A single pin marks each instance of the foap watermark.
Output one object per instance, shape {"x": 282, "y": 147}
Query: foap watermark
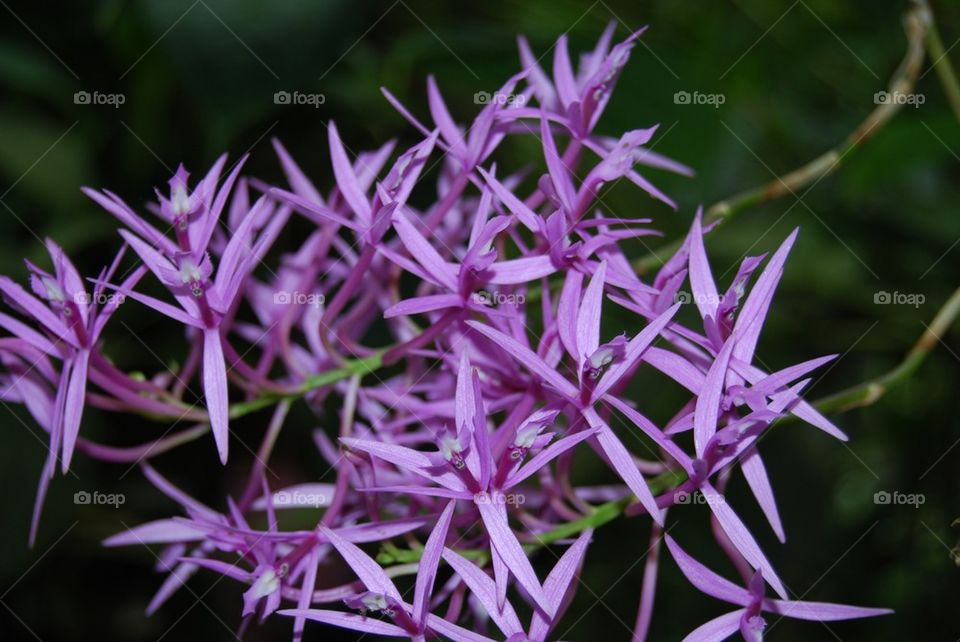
{"x": 509, "y": 499}
{"x": 486, "y": 98}
{"x": 896, "y": 498}
{"x": 299, "y": 498}
{"x": 96, "y": 498}
{"x": 698, "y": 498}
{"x": 898, "y": 98}
{"x": 99, "y": 298}
{"x": 298, "y": 98}
{"x": 698, "y": 98}
{"x": 690, "y": 297}
{"x": 285, "y": 297}
{"x": 483, "y": 297}
{"x": 899, "y": 298}
{"x": 98, "y": 98}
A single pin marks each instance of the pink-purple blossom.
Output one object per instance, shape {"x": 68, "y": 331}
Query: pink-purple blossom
{"x": 451, "y": 446}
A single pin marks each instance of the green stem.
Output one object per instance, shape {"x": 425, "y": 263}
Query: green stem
{"x": 916, "y": 24}
{"x": 943, "y": 66}
{"x": 360, "y": 367}
{"x": 871, "y": 391}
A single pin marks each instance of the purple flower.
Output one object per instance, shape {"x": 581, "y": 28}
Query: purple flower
{"x": 456, "y": 355}
{"x": 749, "y": 618}
{"x": 186, "y": 270}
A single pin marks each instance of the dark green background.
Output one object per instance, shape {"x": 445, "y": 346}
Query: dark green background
{"x": 199, "y": 79}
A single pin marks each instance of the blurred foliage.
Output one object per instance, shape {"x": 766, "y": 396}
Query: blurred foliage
{"x": 199, "y": 78}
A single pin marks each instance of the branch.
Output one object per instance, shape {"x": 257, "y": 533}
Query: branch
{"x": 916, "y": 24}
{"x": 870, "y": 391}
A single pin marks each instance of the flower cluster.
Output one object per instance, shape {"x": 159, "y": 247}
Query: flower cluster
{"x": 454, "y": 352}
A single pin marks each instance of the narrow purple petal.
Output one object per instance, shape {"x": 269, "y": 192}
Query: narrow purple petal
{"x": 367, "y": 570}
{"x": 560, "y": 583}
{"x": 73, "y": 406}
{"x": 546, "y": 455}
{"x": 493, "y": 511}
{"x": 484, "y": 589}
{"x": 563, "y": 73}
{"x": 588, "y": 319}
{"x": 161, "y": 531}
{"x": 701, "y": 280}
{"x": 741, "y": 538}
{"x": 346, "y": 179}
{"x": 523, "y": 270}
{"x": 756, "y": 475}
{"x": 350, "y": 621}
{"x": 634, "y": 352}
{"x": 706, "y": 580}
{"x": 567, "y": 309}
{"x": 441, "y": 116}
{"x": 708, "y": 403}
{"x": 622, "y": 462}
{"x": 528, "y": 358}
{"x": 523, "y": 213}
{"x": 424, "y": 253}
{"x": 750, "y": 319}
{"x": 821, "y": 611}
{"x": 717, "y": 629}
{"x": 429, "y": 562}
{"x": 215, "y": 390}
{"x": 422, "y": 304}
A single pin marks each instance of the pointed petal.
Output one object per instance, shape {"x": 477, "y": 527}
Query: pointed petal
{"x": 162, "y": 307}
{"x": 622, "y": 462}
{"x": 708, "y": 403}
{"x": 559, "y": 174}
{"x": 32, "y": 306}
{"x": 429, "y": 562}
{"x": 161, "y": 531}
{"x": 494, "y": 515}
{"x": 441, "y": 116}
{"x": 484, "y": 589}
{"x": 422, "y": 304}
{"x": 717, "y": 629}
{"x": 423, "y": 252}
{"x": 821, "y": 611}
{"x": 740, "y": 537}
{"x": 546, "y": 455}
{"x": 367, "y": 570}
{"x": 754, "y": 311}
{"x": 634, "y": 351}
{"x": 73, "y": 407}
{"x": 706, "y": 580}
{"x": 528, "y": 358}
{"x": 756, "y": 475}
{"x": 523, "y": 213}
{"x": 346, "y": 179}
{"x": 701, "y": 280}
{"x": 588, "y": 320}
{"x": 522, "y": 270}
{"x": 567, "y": 308}
{"x": 350, "y": 621}
{"x": 306, "y": 594}
{"x": 560, "y": 583}
{"x": 215, "y": 390}
{"x": 563, "y": 73}
{"x": 302, "y": 186}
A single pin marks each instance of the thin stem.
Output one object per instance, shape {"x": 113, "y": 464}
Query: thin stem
{"x": 350, "y": 368}
{"x": 942, "y": 65}
{"x": 871, "y": 391}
